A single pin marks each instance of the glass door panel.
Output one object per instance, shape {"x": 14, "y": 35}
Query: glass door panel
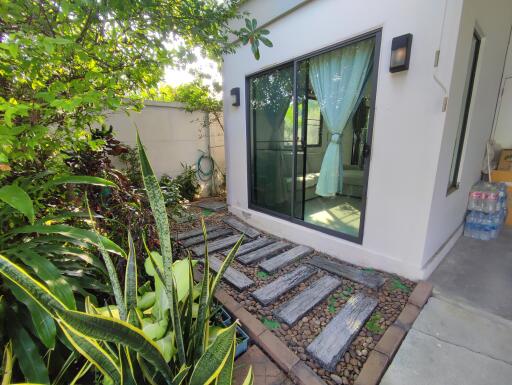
{"x": 310, "y": 132}
{"x": 336, "y": 98}
{"x": 271, "y": 130}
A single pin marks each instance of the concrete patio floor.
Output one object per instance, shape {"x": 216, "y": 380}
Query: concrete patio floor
{"x": 479, "y": 274}
{"x": 463, "y": 336}
{"x": 453, "y": 345}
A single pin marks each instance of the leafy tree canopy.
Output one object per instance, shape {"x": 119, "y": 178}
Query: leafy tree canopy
{"x": 196, "y": 96}
{"x": 64, "y": 62}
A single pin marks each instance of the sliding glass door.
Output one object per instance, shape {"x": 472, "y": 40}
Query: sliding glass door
{"x": 309, "y": 127}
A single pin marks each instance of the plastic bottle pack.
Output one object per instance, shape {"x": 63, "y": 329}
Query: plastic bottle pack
{"x": 487, "y": 210}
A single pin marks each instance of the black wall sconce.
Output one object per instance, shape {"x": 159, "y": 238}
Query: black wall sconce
{"x": 235, "y": 95}
{"x": 400, "y": 53}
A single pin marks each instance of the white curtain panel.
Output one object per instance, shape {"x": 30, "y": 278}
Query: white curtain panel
{"x": 337, "y": 78}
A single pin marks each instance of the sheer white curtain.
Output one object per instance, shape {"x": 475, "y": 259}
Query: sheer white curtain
{"x": 274, "y": 94}
{"x": 337, "y": 78}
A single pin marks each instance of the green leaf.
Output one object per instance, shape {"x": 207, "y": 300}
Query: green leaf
{"x": 226, "y": 374}
{"x": 36, "y": 290}
{"x": 29, "y": 358}
{"x": 81, "y": 179}
{"x": 167, "y": 346}
{"x": 249, "y": 379}
{"x": 270, "y": 324}
{"x": 266, "y": 41}
{"x": 44, "y": 325}
{"x": 159, "y": 211}
{"x": 116, "y": 331}
{"x": 213, "y": 360}
{"x": 130, "y": 280}
{"x": 178, "y": 379}
{"x": 76, "y": 233}
{"x": 18, "y": 199}
{"x": 50, "y": 274}
{"x": 248, "y": 24}
{"x": 225, "y": 264}
{"x": 94, "y": 353}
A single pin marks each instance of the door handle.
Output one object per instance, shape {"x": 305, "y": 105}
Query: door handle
{"x": 366, "y": 151}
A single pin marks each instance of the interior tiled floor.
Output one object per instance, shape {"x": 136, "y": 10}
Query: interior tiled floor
{"x": 340, "y": 213}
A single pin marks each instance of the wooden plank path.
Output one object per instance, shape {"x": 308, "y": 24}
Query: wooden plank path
{"x": 298, "y": 306}
{"x": 210, "y": 205}
{"x": 210, "y": 236}
{"x": 233, "y": 276}
{"x": 273, "y": 264}
{"x": 251, "y": 246}
{"x": 219, "y": 244}
{"x": 332, "y": 343}
{"x": 242, "y": 227}
{"x": 264, "y": 252}
{"x": 271, "y": 292}
{"x": 370, "y": 279}
{"x": 195, "y": 232}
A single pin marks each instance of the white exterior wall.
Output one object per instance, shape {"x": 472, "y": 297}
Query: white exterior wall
{"x": 502, "y": 129}
{"x": 170, "y": 134}
{"x": 409, "y": 219}
{"x": 408, "y": 108}
{"x": 492, "y": 19}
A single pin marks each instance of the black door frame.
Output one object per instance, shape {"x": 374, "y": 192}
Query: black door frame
{"x": 377, "y": 34}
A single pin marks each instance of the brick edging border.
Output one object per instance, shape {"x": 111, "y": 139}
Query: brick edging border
{"x": 380, "y": 358}
{"x": 287, "y": 360}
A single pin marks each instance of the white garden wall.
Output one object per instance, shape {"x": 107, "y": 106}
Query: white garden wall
{"x": 171, "y": 135}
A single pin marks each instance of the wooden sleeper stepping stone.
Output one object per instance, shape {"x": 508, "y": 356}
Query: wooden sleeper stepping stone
{"x": 195, "y": 232}
{"x": 264, "y": 252}
{"x": 209, "y": 236}
{"x": 332, "y": 343}
{"x": 298, "y": 306}
{"x": 211, "y": 205}
{"x": 242, "y": 227}
{"x": 271, "y": 292}
{"x": 233, "y": 276}
{"x": 251, "y": 246}
{"x": 370, "y": 279}
{"x": 217, "y": 245}
{"x": 289, "y": 256}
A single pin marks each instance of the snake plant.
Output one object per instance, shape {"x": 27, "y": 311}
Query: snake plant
{"x": 159, "y": 333}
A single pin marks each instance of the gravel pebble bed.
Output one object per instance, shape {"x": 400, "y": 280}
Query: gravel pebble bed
{"x": 392, "y": 298}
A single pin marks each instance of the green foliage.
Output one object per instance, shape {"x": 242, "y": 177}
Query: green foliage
{"x": 35, "y": 238}
{"x": 63, "y": 64}
{"x": 255, "y": 35}
{"x": 196, "y": 96}
{"x": 262, "y": 274}
{"x": 187, "y": 182}
{"x": 165, "y": 340}
{"x": 270, "y": 324}
{"x": 397, "y": 285}
{"x": 374, "y": 323}
{"x": 171, "y": 191}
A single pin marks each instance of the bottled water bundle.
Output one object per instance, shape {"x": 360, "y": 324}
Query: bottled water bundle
{"x": 487, "y": 210}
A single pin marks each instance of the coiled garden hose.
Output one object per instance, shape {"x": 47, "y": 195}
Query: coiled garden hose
{"x": 203, "y": 175}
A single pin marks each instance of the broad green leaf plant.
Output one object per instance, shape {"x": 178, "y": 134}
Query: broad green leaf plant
{"x": 156, "y": 333}
{"x": 64, "y": 64}
{"x": 36, "y": 239}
